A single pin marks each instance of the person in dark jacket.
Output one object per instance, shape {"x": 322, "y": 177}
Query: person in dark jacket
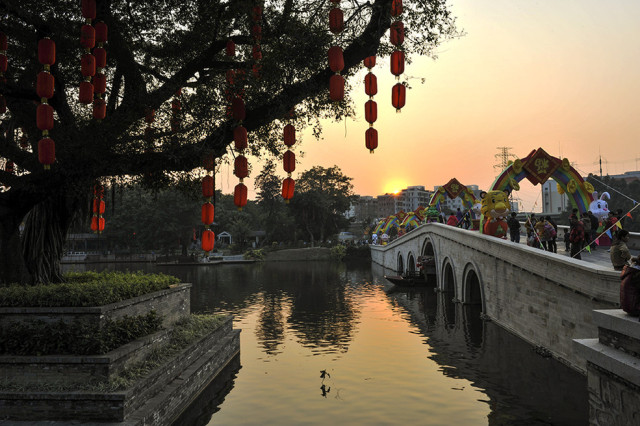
{"x": 514, "y": 228}
{"x": 576, "y": 237}
{"x": 551, "y": 242}
{"x": 594, "y": 229}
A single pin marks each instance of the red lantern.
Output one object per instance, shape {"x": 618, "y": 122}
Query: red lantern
{"x": 207, "y": 213}
{"x": 101, "y": 56}
{"x": 87, "y": 36}
{"x": 397, "y": 33}
{"x": 396, "y": 8}
{"x": 371, "y": 139}
{"x": 44, "y": 85}
{"x": 208, "y": 162}
{"x": 238, "y": 109}
{"x": 289, "y": 135}
{"x": 255, "y": 69}
{"x": 241, "y": 167}
{"x": 99, "y": 109}
{"x": 46, "y": 152}
{"x": 289, "y": 161}
{"x": 100, "y": 83}
{"x": 207, "y": 187}
{"x": 98, "y": 191}
{"x": 397, "y": 62}
{"x": 231, "y": 48}
{"x": 288, "y": 186}
{"x": 240, "y": 196}
{"x": 4, "y": 45}
{"x": 336, "y": 20}
{"x": 8, "y": 166}
{"x": 176, "y": 105}
{"x": 46, "y": 51}
{"x": 256, "y": 32}
{"x": 371, "y": 111}
{"x": 257, "y": 13}
{"x": 208, "y": 240}
{"x": 150, "y": 115}
{"x": 231, "y": 75}
{"x": 88, "y": 65}
{"x": 336, "y": 88}
{"x": 370, "y": 84}
{"x": 398, "y": 94}
{"x": 336, "y": 59}
{"x": 101, "y": 32}
{"x": 99, "y": 206}
{"x": 4, "y": 62}
{"x": 240, "y": 138}
{"x": 257, "y": 53}
{"x": 370, "y": 61}
{"x": 44, "y": 117}
{"x": 86, "y": 92}
{"x": 97, "y": 224}
{"x": 89, "y": 9}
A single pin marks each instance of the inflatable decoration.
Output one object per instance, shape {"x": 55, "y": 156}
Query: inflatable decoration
{"x": 599, "y": 207}
{"x": 495, "y": 209}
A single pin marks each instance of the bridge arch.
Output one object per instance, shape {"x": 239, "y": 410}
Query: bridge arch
{"x": 400, "y": 264}
{"x": 411, "y": 262}
{"x": 472, "y": 287}
{"x": 448, "y": 279}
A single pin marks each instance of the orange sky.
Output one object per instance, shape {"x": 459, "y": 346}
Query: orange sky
{"x": 564, "y": 76}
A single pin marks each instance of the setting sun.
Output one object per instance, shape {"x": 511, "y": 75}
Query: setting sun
{"x": 394, "y": 186}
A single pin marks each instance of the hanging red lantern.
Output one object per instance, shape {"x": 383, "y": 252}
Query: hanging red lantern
{"x": 289, "y": 135}
{"x": 87, "y": 36}
{"x": 8, "y": 166}
{"x": 371, "y": 139}
{"x": 176, "y": 105}
{"x": 208, "y": 162}
{"x": 208, "y": 240}
{"x": 397, "y": 33}
{"x": 370, "y": 61}
{"x": 398, "y": 96}
{"x": 370, "y": 84}
{"x": 396, "y": 8}
{"x": 289, "y": 161}
{"x": 255, "y": 69}
{"x": 336, "y": 59}
{"x": 230, "y": 49}
{"x": 100, "y": 54}
{"x": 231, "y": 76}
{"x": 46, "y": 152}
{"x": 238, "y": 109}
{"x": 101, "y": 32}
{"x": 89, "y": 9}
{"x": 44, "y": 117}
{"x": 336, "y": 20}
{"x": 256, "y": 13}
{"x": 86, "y": 92}
{"x": 256, "y": 32}
{"x": 207, "y": 187}
{"x": 257, "y": 53}
{"x": 241, "y": 167}
{"x": 336, "y": 88}
{"x": 240, "y": 138}
{"x": 88, "y": 65}
{"x": 100, "y": 83}
{"x": 240, "y": 195}
{"x": 97, "y": 224}
{"x": 99, "y": 206}
{"x": 45, "y": 85}
{"x": 99, "y": 109}
{"x": 371, "y": 111}
{"x": 207, "y": 213}
{"x": 46, "y": 52}
{"x": 397, "y": 62}
{"x": 288, "y": 186}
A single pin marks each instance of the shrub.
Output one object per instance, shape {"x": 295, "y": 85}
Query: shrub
{"x": 254, "y": 254}
{"x": 338, "y": 252}
{"x": 86, "y": 289}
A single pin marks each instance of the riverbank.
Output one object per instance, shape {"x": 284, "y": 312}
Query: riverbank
{"x": 305, "y": 254}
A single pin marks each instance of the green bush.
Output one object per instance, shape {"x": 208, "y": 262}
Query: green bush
{"x": 355, "y": 252}
{"x": 39, "y": 338}
{"x": 254, "y": 254}
{"x": 86, "y": 289}
{"x": 338, "y": 252}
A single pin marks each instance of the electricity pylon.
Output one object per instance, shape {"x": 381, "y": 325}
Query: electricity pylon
{"x": 503, "y": 158}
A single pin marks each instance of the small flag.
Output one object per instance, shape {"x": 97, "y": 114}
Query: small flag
{"x": 629, "y": 214}
{"x": 608, "y": 233}
{"x": 588, "y": 248}
{"x": 618, "y": 224}
{"x": 597, "y": 241}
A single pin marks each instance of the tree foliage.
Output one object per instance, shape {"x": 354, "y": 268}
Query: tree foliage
{"x": 154, "y": 49}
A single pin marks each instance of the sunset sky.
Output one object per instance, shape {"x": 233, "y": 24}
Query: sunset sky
{"x": 564, "y": 76}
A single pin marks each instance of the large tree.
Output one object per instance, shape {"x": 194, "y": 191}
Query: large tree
{"x": 154, "y": 49}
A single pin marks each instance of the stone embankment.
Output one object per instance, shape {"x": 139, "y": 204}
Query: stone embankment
{"x": 304, "y": 254}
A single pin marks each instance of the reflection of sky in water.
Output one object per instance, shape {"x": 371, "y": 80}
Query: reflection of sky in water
{"x": 404, "y": 357}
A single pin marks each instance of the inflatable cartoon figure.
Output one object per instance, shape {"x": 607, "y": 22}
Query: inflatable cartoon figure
{"x": 495, "y": 208}
{"x": 599, "y": 207}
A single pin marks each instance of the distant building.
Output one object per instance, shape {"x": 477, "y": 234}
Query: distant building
{"x": 413, "y": 197}
{"x": 552, "y": 201}
{"x": 627, "y": 176}
{"x": 366, "y": 207}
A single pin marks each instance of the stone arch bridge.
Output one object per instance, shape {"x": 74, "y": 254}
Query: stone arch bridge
{"x": 544, "y": 298}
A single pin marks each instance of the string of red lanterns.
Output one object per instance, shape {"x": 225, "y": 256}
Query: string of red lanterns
{"x": 336, "y": 58}
{"x": 88, "y": 60}
{"x": 99, "y": 207}
{"x": 289, "y": 161}
{"x": 176, "y": 108}
{"x": 208, "y": 209}
{"x": 44, "y": 112}
{"x": 399, "y": 91}
{"x": 370, "y": 107}
{"x": 256, "y": 32}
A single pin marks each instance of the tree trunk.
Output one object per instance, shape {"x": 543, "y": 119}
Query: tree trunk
{"x": 12, "y": 265}
{"x": 44, "y": 237}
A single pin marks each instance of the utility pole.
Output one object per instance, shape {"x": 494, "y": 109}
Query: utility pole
{"x": 503, "y": 156}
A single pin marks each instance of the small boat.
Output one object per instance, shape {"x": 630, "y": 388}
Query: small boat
{"x": 409, "y": 279}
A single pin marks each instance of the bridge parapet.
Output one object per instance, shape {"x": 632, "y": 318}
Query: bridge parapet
{"x": 544, "y": 298}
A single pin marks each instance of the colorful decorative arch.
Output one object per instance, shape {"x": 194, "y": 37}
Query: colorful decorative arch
{"x": 453, "y": 189}
{"x": 538, "y": 167}
{"x": 411, "y": 221}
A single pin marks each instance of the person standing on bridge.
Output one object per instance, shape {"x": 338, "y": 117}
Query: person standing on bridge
{"x": 453, "y": 221}
{"x": 514, "y": 228}
{"x": 620, "y": 254}
{"x": 576, "y": 237}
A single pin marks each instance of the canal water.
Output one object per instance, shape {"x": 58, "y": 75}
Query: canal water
{"x": 389, "y": 356}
